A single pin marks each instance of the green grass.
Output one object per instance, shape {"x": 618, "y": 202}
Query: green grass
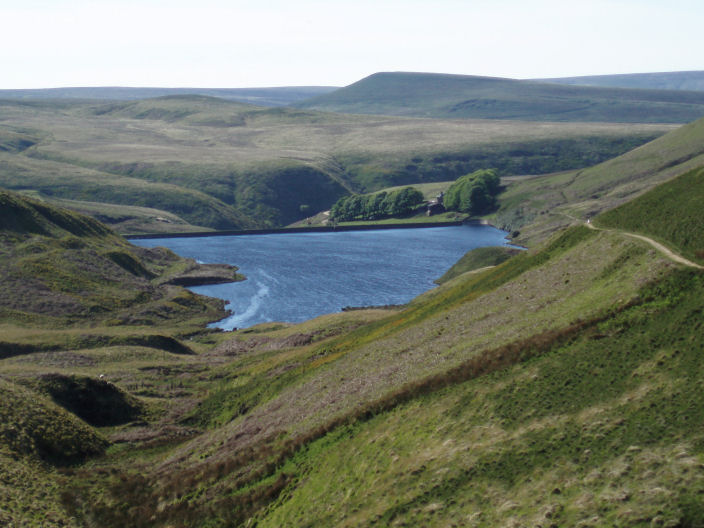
{"x": 202, "y": 162}
{"x": 671, "y": 212}
{"x": 34, "y": 426}
{"x": 477, "y": 259}
{"x": 602, "y": 430}
{"x": 63, "y": 269}
{"x": 463, "y": 97}
{"x": 274, "y": 399}
{"x": 562, "y": 386}
{"x": 537, "y": 206}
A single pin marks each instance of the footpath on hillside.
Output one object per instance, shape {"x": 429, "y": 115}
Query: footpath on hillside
{"x": 662, "y": 249}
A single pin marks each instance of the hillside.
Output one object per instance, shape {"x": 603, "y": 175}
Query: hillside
{"x": 537, "y": 206}
{"x": 472, "y": 97}
{"x": 78, "y": 303}
{"x": 183, "y": 163}
{"x": 561, "y": 387}
{"x": 547, "y": 388}
{"x": 671, "y": 213}
{"x": 61, "y": 269}
{"x": 684, "y": 80}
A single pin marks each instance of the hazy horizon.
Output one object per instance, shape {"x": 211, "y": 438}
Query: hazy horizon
{"x": 235, "y": 44}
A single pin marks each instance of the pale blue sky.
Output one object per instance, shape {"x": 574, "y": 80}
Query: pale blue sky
{"x": 219, "y": 43}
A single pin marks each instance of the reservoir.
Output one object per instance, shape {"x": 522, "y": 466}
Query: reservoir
{"x": 292, "y": 277}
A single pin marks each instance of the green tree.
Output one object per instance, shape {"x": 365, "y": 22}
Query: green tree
{"x": 474, "y": 193}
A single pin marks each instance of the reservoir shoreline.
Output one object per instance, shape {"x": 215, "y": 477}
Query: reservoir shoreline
{"x": 309, "y": 273}
{"x": 321, "y": 229}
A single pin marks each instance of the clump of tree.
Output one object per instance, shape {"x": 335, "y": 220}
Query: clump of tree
{"x": 474, "y": 193}
{"x": 375, "y": 206}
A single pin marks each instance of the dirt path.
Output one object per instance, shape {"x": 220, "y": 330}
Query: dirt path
{"x": 662, "y": 249}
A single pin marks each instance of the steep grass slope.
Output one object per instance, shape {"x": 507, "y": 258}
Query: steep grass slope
{"x": 672, "y": 213}
{"x": 603, "y": 429}
{"x": 464, "y": 97}
{"x": 539, "y": 205}
{"x": 190, "y": 161}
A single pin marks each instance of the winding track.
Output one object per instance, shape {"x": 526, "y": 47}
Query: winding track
{"x": 662, "y": 249}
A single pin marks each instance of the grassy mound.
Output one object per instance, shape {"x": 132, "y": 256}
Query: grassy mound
{"x": 671, "y": 212}
{"x": 32, "y": 425}
{"x": 97, "y": 402}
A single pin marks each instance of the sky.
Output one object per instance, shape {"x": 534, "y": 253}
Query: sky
{"x": 257, "y": 43}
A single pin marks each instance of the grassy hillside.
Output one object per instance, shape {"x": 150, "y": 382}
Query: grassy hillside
{"x": 560, "y": 387}
{"x": 596, "y": 431}
{"x": 537, "y": 206}
{"x": 195, "y": 161}
{"x": 471, "y": 97}
{"x": 477, "y": 259}
{"x": 472, "y": 406}
{"x": 88, "y": 326}
{"x": 60, "y": 268}
{"x": 684, "y": 80}
{"x": 671, "y": 212}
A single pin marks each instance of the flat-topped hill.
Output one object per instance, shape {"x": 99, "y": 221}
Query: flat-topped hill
{"x": 473, "y": 97}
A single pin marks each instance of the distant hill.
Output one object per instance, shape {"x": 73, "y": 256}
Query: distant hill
{"x": 276, "y": 96}
{"x": 684, "y": 80}
{"x": 464, "y": 97}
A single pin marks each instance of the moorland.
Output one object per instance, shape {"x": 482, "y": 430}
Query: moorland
{"x": 556, "y": 386}
{"x": 191, "y": 162}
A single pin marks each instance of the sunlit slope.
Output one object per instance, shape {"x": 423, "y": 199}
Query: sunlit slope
{"x": 272, "y": 405}
{"x": 472, "y": 97}
{"x": 537, "y": 205}
{"x": 225, "y": 165}
{"x": 602, "y": 429}
{"x": 599, "y": 424}
{"x": 671, "y": 213}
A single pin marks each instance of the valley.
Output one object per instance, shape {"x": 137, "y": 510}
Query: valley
{"x": 187, "y": 163}
{"x": 560, "y": 385}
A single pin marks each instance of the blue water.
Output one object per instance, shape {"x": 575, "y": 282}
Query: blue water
{"x": 297, "y": 276}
